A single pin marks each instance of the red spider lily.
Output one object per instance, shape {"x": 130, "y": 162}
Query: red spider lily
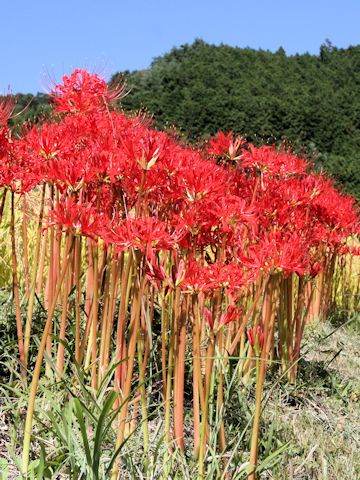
{"x": 349, "y": 250}
{"x": 82, "y": 92}
{"x": 225, "y": 145}
{"x": 209, "y": 317}
{"x": 278, "y": 252}
{"x": 230, "y": 224}
{"x": 255, "y": 336}
{"x": 80, "y": 219}
{"x": 202, "y": 180}
{"x": 142, "y": 145}
{"x": 145, "y": 234}
{"x": 231, "y": 314}
{"x": 233, "y": 212}
{"x": 178, "y": 273}
{"x": 272, "y": 161}
{"x": 314, "y": 269}
{"x": 157, "y": 273}
{"x": 211, "y": 277}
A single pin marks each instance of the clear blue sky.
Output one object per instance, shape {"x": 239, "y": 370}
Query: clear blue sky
{"x": 46, "y": 36}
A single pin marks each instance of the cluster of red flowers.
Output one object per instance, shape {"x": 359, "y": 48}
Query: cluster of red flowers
{"x": 230, "y": 209}
{"x": 202, "y": 232}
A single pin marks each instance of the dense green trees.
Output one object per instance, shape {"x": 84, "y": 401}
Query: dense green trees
{"x": 312, "y": 101}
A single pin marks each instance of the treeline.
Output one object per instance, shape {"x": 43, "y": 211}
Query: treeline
{"x": 310, "y": 101}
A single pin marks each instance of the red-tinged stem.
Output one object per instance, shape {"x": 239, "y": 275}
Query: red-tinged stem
{"x": 282, "y": 324}
{"x": 260, "y": 379}
{"x": 163, "y": 343}
{"x": 60, "y": 361}
{"x": 77, "y": 272}
{"x": 121, "y": 323}
{"x": 16, "y": 291}
{"x": 104, "y": 318}
{"x": 89, "y": 290}
{"x": 261, "y": 372}
{"x": 25, "y": 247}
{"x": 170, "y": 368}
{"x": 2, "y": 205}
{"x": 180, "y": 375}
{"x": 31, "y": 300}
{"x": 204, "y": 417}
{"x": 290, "y": 320}
{"x": 40, "y": 276}
{"x": 197, "y": 382}
{"x": 51, "y": 284}
{"x": 39, "y": 360}
{"x": 151, "y": 318}
{"x": 300, "y": 320}
{"x": 134, "y": 328}
{"x": 245, "y": 320}
{"x": 111, "y": 309}
{"x": 144, "y": 413}
{"x": 220, "y": 393}
{"x": 94, "y": 315}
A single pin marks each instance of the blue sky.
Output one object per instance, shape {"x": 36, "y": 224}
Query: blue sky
{"x": 47, "y": 39}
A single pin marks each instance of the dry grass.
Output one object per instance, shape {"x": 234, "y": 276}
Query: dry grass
{"x": 320, "y": 416}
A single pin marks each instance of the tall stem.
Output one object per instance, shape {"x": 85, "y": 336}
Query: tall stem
{"x": 261, "y": 372}
{"x": 16, "y": 291}
{"x": 33, "y": 278}
{"x": 39, "y": 360}
{"x": 180, "y": 373}
{"x": 134, "y": 328}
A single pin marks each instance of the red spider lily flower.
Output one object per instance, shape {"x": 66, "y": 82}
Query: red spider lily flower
{"x": 18, "y": 171}
{"x": 225, "y": 145}
{"x": 142, "y": 145}
{"x": 278, "y": 251}
{"x": 178, "y": 273}
{"x": 209, "y": 318}
{"x": 231, "y": 314}
{"x": 314, "y": 269}
{"x": 80, "y": 219}
{"x": 145, "y": 234}
{"x": 233, "y": 212}
{"x": 82, "y": 92}
{"x": 255, "y": 336}
{"x": 202, "y": 179}
{"x": 211, "y": 277}
{"x": 156, "y": 274}
{"x": 273, "y": 161}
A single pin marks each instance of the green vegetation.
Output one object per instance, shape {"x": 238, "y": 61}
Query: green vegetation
{"x": 310, "y": 430}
